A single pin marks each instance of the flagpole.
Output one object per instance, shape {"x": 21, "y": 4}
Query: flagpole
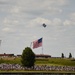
{"x": 42, "y": 45}
{"x": 30, "y": 44}
{"x": 42, "y": 49}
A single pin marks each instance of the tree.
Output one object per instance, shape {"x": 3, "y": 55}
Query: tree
{"x": 62, "y": 55}
{"x": 70, "y": 55}
{"x": 28, "y": 57}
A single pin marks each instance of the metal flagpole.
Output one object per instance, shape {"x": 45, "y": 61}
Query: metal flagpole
{"x": 42, "y": 49}
{"x": 30, "y": 44}
{"x": 44, "y": 25}
{"x": 42, "y": 45}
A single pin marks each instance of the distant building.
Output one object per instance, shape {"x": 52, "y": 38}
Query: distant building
{"x": 39, "y": 56}
{"x": 36, "y": 56}
{"x": 42, "y": 56}
{"x": 6, "y": 55}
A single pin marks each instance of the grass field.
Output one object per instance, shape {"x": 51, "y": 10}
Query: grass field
{"x": 41, "y": 61}
{"x": 56, "y": 61}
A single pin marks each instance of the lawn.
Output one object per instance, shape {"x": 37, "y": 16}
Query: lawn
{"x": 56, "y": 61}
{"x": 42, "y": 61}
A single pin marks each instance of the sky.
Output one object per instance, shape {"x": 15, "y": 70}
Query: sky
{"x": 21, "y": 23}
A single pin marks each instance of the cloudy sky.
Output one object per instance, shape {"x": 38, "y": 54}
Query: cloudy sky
{"x": 21, "y": 23}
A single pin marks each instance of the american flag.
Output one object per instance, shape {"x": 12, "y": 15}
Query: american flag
{"x": 37, "y": 43}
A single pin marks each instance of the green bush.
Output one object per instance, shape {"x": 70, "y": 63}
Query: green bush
{"x": 28, "y": 57}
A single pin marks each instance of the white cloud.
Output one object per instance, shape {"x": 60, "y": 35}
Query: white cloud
{"x": 6, "y": 21}
{"x": 62, "y": 2}
{"x": 6, "y": 29}
{"x": 52, "y": 11}
{"x": 71, "y": 20}
{"x": 56, "y": 21}
{"x": 38, "y": 21}
{"x": 37, "y": 7}
{"x": 3, "y": 1}
{"x": 67, "y": 22}
{"x": 72, "y": 16}
{"x": 9, "y": 22}
{"x": 15, "y": 10}
{"x": 55, "y": 2}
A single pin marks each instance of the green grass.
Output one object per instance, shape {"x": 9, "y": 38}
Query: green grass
{"x": 56, "y": 61}
{"x": 44, "y": 61}
{"x": 67, "y": 62}
{"x": 11, "y": 61}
